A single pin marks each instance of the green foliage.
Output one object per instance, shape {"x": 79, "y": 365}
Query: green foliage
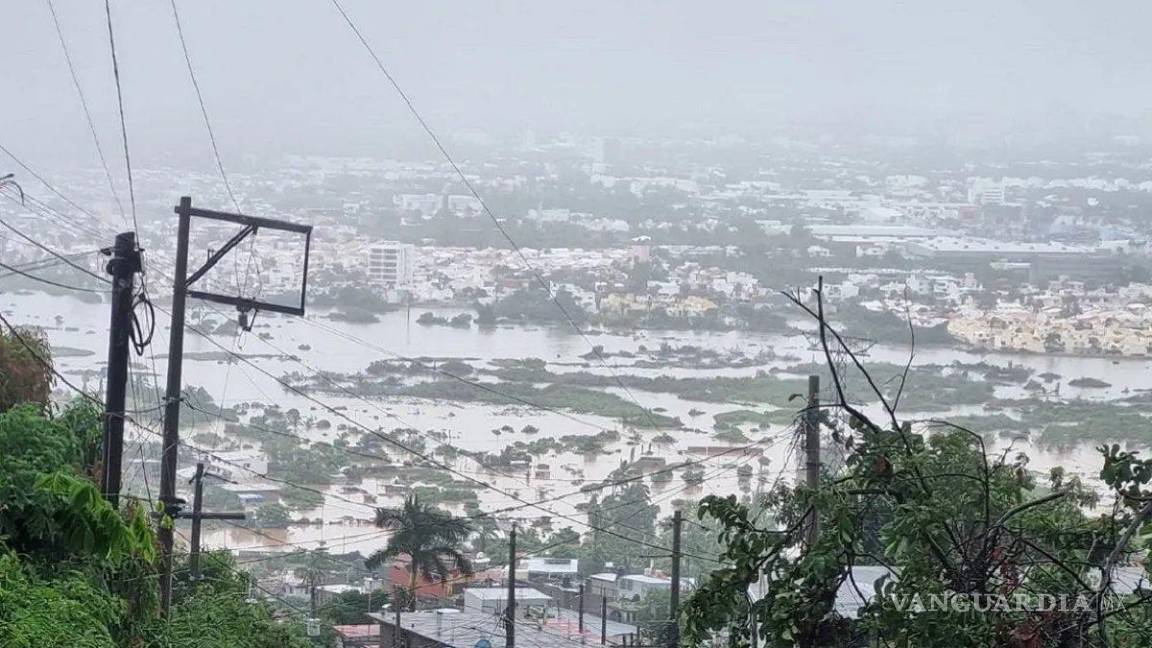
{"x": 65, "y": 611}
{"x": 25, "y": 376}
{"x": 349, "y": 608}
{"x": 271, "y": 516}
{"x": 651, "y": 616}
{"x": 618, "y": 523}
{"x": 943, "y": 518}
{"x": 80, "y": 520}
{"x": 290, "y": 460}
{"x": 74, "y": 572}
{"x": 46, "y": 505}
{"x": 429, "y": 537}
{"x": 223, "y": 620}
{"x": 536, "y": 305}
{"x": 300, "y": 499}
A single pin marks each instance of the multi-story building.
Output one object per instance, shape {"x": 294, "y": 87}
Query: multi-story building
{"x": 390, "y": 264}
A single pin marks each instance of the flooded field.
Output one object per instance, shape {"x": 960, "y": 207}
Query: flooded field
{"x": 282, "y": 345}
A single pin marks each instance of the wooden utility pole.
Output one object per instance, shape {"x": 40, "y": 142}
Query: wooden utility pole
{"x": 197, "y": 515}
{"x": 812, "y": 451}
{"x": 182, "y": 284}
{"x": 510, "y": 608}
{"x": 674, "y": 611}
{"x": 123, "y": 266}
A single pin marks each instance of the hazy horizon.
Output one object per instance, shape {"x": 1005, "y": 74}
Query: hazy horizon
{"x": 289, "y": 77}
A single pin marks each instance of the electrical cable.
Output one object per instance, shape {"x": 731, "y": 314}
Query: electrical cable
{"x": 484, "y": 205}
{"x": 33, "y": 277}
{"x": 120, "y": 106}
{"x": 87, "y": 112}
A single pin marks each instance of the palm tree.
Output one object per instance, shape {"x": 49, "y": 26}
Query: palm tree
{"x": 428, "y": 536}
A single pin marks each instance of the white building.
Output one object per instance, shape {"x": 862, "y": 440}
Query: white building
{"x": 636, "y": 586}
{"x": 986, "y": 192}
{"x": 548, "y": 568}
{"x": 236, "y": 465}
{"x": 492, "y": 600}
{"x": 390, "y": 264}
{"x": 426, "y": 204}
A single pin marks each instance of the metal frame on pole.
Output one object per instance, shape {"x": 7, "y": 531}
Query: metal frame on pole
{"x": 181, "y": 290}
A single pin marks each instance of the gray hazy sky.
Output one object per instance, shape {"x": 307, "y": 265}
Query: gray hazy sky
{"x": 288, "y": 76}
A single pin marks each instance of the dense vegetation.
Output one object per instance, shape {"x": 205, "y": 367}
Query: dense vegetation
{"x": 963, "y": 547}
{"x": 77, "y": 573}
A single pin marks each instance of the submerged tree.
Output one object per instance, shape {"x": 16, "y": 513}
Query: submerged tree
{"x": 429, "y": 537}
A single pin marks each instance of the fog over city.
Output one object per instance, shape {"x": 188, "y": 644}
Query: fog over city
{"x": 286, "y": 77}
{"x": 367, "y": 324}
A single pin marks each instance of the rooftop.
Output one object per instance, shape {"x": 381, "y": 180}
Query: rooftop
{"x": 462, "y": 629}
{"x": 501, "y": 593}
{"x": 551, "y": 565}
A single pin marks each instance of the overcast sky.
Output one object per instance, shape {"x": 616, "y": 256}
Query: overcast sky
{"x": 288, "y": 75}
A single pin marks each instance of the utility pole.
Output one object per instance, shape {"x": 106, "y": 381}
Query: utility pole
{"x": 396, "y": 627}
{"x": 812, "y": 451}
{"x": 172, "y": 405}
{"x": 603, "y": 620}
{"x": 510, "y": 609}
{"x": 123, "y": 266}
{"x": 312, "y": 590}
{"x": 197, "y": 516}
{"x": 182, "y": 284}
{"x": 580, "y": 617}
{"x": 674, "y": 628}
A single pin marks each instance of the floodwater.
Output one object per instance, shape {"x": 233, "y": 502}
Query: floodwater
{"x": 322, "y": 344}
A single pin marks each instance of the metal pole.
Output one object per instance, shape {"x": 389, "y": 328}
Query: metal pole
{"x": 674, "y": 611}
{"x": 396, "y": 629}
{"x": 312, "y": 587}
{"x": 603, "y": 620}
{"x": 123, "y": 266}
{"x": 581, "y": 615}
{"x": 510, "y": 609}
{"x": 172, "y": 406}
{"x": 197, "y": 497}
{"x": 812, "y": 450}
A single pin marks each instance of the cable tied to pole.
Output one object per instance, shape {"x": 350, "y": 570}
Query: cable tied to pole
{"x": 140, "y": 334}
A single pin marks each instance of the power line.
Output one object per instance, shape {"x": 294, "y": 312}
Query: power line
{"x": 47, "y": 184}
{"x": 374, "y": 433}
{"x": 336, "y": 412}
{"x": 407, "y": 448}
{"x": 120, "y": 106}
{"x": 33, "y": 277}
{"x": 49, "y": 213}
{"x": 43, "y": 264}
{"x": 241, "y": 287}
{"x": 485, "y": 485}
{"x": 87, "y": 112}
{"x": 203, "y": 108}
{"x": 386, "y": 439}
{"x": 45, "y": 248}
{"x": 484, "y": 206}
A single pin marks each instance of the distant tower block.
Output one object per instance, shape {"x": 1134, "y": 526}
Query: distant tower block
{"x": 390, "y": 265}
